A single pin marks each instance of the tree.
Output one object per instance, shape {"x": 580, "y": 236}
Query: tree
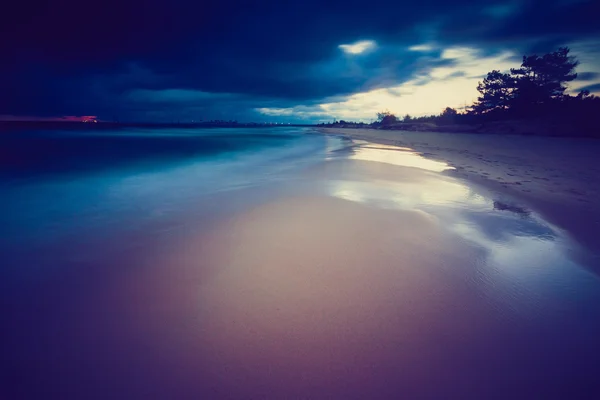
{"x": 386, "y": 118}
{"x": 407, "y": 118}
{"x": 541, "y": 79}
{"x": 449, "y": 112}
{"x": 381, "y": 115}
{"x": 448, "y": 116}
{"x": 584, "y": 94}
{"x": 497, "y": 90}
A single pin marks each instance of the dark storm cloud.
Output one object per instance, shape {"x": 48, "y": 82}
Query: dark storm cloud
{"x": 588, "y": 76}
{"x": 526, "y": 25}
{"x": 592, "y": 88}
{"x": 180, "y": 59}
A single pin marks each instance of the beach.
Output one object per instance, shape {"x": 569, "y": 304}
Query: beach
{"x": 557, "y": 176}
{"x": 281, "y": 263}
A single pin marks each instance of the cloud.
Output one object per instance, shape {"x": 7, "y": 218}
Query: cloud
{"x": 458, "y": 53}
{"x": 501, "y": 10}
{"x": 181, "y": 59}
{"x": 428, "y": 92}
{"x": 296, "y": 111}
{"x": 595, "y": 88}
{"x": 588, "y": 54}
{"x": 421, "y": 47}
{"x": 174, "y": 96}
{"x": 358, "y": 47}
{"x": 588, "y": 76}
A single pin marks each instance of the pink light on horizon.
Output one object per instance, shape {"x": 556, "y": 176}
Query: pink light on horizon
{"x": 66, "y": 118}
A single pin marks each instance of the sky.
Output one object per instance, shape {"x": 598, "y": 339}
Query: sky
{"x": 274, "y": 61}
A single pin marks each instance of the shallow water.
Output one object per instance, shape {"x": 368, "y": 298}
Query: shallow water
{"x": 276, "y": 264}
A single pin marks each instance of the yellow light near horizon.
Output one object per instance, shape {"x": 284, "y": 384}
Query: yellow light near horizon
{"x": 428, "y": 92}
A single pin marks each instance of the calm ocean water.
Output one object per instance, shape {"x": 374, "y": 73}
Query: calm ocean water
{"x": 55, "y": 183}
{"x": 158, "y": 264}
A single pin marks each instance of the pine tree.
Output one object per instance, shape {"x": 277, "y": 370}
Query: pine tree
{"x": 496, "y": 92}
{"x": 541, "y": 79}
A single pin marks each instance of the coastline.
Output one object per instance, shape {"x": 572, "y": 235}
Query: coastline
{"x": 557, "y": 177}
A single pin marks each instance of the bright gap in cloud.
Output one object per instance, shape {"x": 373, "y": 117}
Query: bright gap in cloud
{"x": 421, "y": 47}
{"x": 459, "y": 53}
{"x": 588, "y": 54}
{"x": 431, "y": 90}
{"x": 428, "y": 92}
{"x": 358, "y": 47}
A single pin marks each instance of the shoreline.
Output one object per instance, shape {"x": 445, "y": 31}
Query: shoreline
{"x": 555, "y": 176}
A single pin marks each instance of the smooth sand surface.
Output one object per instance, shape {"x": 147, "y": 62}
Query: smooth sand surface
{"x": 319, "y": 297}
{"x": 558, "y": 177}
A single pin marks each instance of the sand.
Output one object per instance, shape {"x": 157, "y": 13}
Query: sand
{"x": 557, "y": 177}
{"x": 369, "y": 275}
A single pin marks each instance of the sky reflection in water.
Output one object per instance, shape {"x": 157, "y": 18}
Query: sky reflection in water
{"x": 401, "y": 156}
{"x": 517, "y": 246}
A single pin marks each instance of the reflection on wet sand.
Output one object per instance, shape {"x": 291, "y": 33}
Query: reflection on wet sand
{"x": 401, "y": 156}
{"x": 344, "y": 298}
{"x": 448, "y": 199}
{"x": 377, "y": 287}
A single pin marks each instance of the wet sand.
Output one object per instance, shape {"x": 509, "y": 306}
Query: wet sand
{"x": 371, "y": 275}
{"x": 558, "y": 177}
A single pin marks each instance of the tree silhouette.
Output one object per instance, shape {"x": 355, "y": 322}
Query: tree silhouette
{"x": 449, "y": 112}
{"x": 386, "y": 118}
{"x": 584, "y": 94}
{"x": 534, "y": 92}
{"x": 496, "y": 91}
{"x": 381, "y": 115}
{"x": 541, "y": 79}
{"x": 448, "y": 116}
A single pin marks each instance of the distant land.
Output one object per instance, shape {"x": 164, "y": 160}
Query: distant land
{"x": 100, "y": 125}
{"x": 533, "y": 127}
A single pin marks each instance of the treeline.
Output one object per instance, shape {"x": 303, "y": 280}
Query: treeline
{"x": 536, "y": 89}
{"x": 533, "y": 92}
